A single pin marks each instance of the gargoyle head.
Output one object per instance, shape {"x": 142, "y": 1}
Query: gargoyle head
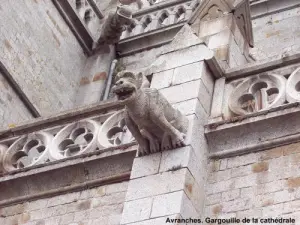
{"x": 127, "y": 85}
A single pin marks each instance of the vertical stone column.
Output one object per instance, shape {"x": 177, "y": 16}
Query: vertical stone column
{"x": 170, "y": 185}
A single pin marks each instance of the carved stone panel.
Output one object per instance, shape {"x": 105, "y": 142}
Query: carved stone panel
{"x": 114, "y": 131}
{"x": 75, "y": 139}
{"x": 28, "y": 150}
{"x": 257, "y": 93}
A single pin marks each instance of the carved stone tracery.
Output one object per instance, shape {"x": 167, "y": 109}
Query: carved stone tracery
{"x": 28, "y": 150}
{"x": 257, "y": 93}
{"x": 63, "y": 142}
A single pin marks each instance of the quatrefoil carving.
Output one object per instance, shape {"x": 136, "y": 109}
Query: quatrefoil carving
{"x": 75, "y": 139}
{"x": 114, "y": 131}
{"x": 27, "y": 151}
{"x": 257, "y": 93}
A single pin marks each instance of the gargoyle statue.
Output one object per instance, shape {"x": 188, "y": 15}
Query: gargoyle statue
{"x": 113, "y": 26}
{"x": 151, "y": 119}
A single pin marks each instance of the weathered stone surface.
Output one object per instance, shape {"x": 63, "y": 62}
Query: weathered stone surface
{"x": 145, "y": 166}
{"x": 161, "y": 183}
{"x": 167, "y": 204}
{"x": 47, "y": 71}
{"x": 170, "y": 60}
{"x": 137, "y": 210}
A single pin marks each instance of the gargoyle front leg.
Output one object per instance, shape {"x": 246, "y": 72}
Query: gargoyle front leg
{"x": 143, "y": 143}
{"x": 154, "y": 143}
{"x": 163, "y": 123}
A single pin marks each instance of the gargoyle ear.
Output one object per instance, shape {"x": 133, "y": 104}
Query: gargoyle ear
{"x": 142, "y": 81}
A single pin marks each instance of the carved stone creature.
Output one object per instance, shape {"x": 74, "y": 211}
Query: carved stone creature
{"x": 113, "y": 26}
{"x": 151, "y": 119}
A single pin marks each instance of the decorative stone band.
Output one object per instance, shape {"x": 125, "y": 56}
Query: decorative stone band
{"x": 165, "y": 14}
{"x": 261, "y": 92}
{"x": 64, "y": 141}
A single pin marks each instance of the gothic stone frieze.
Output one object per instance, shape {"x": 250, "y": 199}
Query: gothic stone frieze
{"x": 162, "y": 17}
{"x": 61, "y": 142}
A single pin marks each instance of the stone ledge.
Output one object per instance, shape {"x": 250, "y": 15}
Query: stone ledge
{"x": 61, "y": 118}
{"x": 262, "y": 66}
{"x": 256, "y": 132}
{"x": 261, "y": 8}
{"x": 86, "y": 171}
{"x": 145, "y": 41}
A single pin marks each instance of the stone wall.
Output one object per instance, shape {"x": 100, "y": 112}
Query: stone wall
{"x": 41, "y": 53}
{"x": 276, "y": 34}
{"x": 12, "y": 110}
{"x": 102, "y": 205}
{"x": 264, "y": 184}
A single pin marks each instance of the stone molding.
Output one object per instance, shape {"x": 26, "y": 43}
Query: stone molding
{"x": 261, "y": 8}
{"x": 65, "y": 176}
{"x": 254, "y": 132}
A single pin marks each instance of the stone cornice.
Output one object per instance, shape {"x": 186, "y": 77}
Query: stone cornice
{"x": 61, "y": 118}
{"x": 65, "y": 176}
{"x": 255, "y": 132}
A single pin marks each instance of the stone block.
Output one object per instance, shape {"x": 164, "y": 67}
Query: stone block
{"x": 246, "y": 181}
{"x": 197, "y": 140}
{"x": 213, "y": 199}
{"x": 63, "y": 199}
{"x": 145, "y": 166}
{"x": 220, "y": 39}
{"x": 195, "y": 192}
{"x": 241, "y": 171}
{"x": 137, "y": 210}
{"x": 181, "y": 158}
{"x": 162, "y": 79}
{"x": 221, "y": 186}
{"x": 215, "y": 26}
{"x": 182, "y": 92}
{"x": 236, "y": 205}
{"x": 118, "y": 187}
{"x": 242, "y": 160}
{"x": 217, "y": 100}
{"x": 188, "y": 72}
{"x": 219, "y": 176}
{"x": 170, "y": 60}
{"x": 162, "y": 183}
{"x": 230, "y": 195}
{"x": 167, "y": 204}
{"x": 67, "y": 219}
{"x": 188, "y": 209}
{"x": 190, "y": 107}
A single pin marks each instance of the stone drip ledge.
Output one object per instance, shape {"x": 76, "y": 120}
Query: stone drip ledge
{"x": 74, "y": 174}
{"x": 61, "y": 118}
{"x": 262, "y": 66}
{"x": 255, "y": 132}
